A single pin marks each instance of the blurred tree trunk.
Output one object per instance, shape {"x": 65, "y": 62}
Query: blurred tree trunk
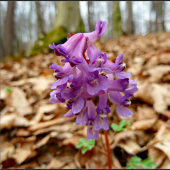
{"x": 90, "y": 16}
{"x": 129, "y": 20}
{"x": 159, "y": 13}
{"x": 9, "y": 29}
{"x": 117, "y": 22}
{"x": 40, "y": 21}
{"x": 157, "y": 7}
{"x": 2, "y": 52}
{"x": 69, "y": 17}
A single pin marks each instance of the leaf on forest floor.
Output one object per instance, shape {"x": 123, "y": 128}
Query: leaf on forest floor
{"x": 159, "y": 95}
{"x": 55, "y": 164}
{"x": 42, "y": 142}
{"x": 166, "y": 164}
{"x": 56, "y": 121}
{"x": 130, "y": 146}
{"x": 13, "y": 120}
{"x": 44, "y": 109}
{"x": 144, "y": 124}
{"x": 20, "y": 103}
{"x": 157, "y": 155}
{"x": 7, "y": 149}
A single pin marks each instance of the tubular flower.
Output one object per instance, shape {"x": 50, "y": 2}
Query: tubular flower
{"x": 86, "y": 74}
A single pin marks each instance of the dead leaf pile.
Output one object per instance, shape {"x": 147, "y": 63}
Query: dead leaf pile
{"x": 35, "y": 134}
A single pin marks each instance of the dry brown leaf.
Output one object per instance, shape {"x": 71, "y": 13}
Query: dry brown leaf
{"x": 55, "y": 164}
{"x": 42, "y": 83}
{"x": 164, "y": 146}
{"x": 69, "y": 166}
{"x": 74, "y": 140}
{"x": 130, "y": 134}
{"x": 166, "y": 164}
{"x": 144, "y": 88}
{"x": 62, "y": 136}
{"x": 42, "y": 142}
{"x": 157, "y": 72}
{"x": 130, "y": 146}
{"x": 7, "y": 149}
{"x": 157, "y": 155}
{"x": 21, "y": 155}
{"x": 144, "y": 124}
{"x": 8, "y": 121}
{"x": 49, "y": 123}
{"x": 159, "y": 95}
{"x": 145, "y": 112}
{"x": 163, "y": 134}
{"x": 44, "y": 109}
{"x": 19, "y": 102}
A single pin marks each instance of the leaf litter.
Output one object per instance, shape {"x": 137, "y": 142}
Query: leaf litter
{"x": 35, "y": 134}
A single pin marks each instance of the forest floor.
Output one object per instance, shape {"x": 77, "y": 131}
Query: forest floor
{"x": 35, "y": 134}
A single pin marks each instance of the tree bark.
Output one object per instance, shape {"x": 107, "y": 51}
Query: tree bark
{"x": 157, "y": 7}
{"x": 40, "y": 21}
{"x": 90, "y": 16}
{"x": 9, "y": 29}
{"x": 117, "y": 22}
{"x": 129, "y": 20}
{"x": 69, "y": 17}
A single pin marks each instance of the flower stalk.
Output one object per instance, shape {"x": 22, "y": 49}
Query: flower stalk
{"x": 108, "y": 149}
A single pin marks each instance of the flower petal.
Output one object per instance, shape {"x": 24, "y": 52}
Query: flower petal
{"x": 118, "y": 85}
{"x": 123, "y": 75}
{"x": 123, "y": 111}
{"x": 77, "y": 105}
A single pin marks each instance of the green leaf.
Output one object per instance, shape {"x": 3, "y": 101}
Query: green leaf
{"x": 123, "y": 123}
{"x": 128, "y": 166}
{"x": 91, "y": 142}
{"x": 134, "y": 167}
{"x": 147, "y": 160}
{"x": 148, "y": 163}
{"x": 115, "y": 127}
{"x": 85, "y": 149}
{"x": 135, "y": 160}
{"x": 8, "y": 90}
{"x": 81, "y": 143}
{"x": 87, "y": 145}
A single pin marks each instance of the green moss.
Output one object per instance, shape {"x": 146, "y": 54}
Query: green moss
{"x": 57, "y": 36}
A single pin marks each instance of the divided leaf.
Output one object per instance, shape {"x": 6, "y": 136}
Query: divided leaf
{"x": 87, "y": 145}
{"x": 135, "y": 160}
{"x": 148, "y": 163}
{"x": 124, "y": 123}
{"x": 120, "y": 127}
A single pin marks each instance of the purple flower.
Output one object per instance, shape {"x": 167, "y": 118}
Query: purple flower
{"x": 101, "y": 121}
{"x": 122, "y": 103}
{"x": 91, "y": 133}
{"x": 60, "y": 72}
{"x": 75, "y": 57}
{"x": 68, "y": 46}
{"x": 99, "y": 31}
{"x": 86, "y": 75}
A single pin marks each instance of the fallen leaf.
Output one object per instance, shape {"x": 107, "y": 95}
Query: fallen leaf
{"x": 143, "y": 124}
{"x": 55, "y": 164}
{"x": 42, "y": 142}
{"x": 19, "y": 102}
{"x": 166, "y": 164}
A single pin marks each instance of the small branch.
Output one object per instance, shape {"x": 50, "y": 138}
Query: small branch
{"x": 108, "y": 149}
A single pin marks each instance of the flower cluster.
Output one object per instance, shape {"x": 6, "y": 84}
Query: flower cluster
{"x": 88, "y": 73}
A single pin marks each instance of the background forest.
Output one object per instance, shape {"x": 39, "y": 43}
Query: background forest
{"x": 34, "y": 132}
{"x": 22, "y": 23}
